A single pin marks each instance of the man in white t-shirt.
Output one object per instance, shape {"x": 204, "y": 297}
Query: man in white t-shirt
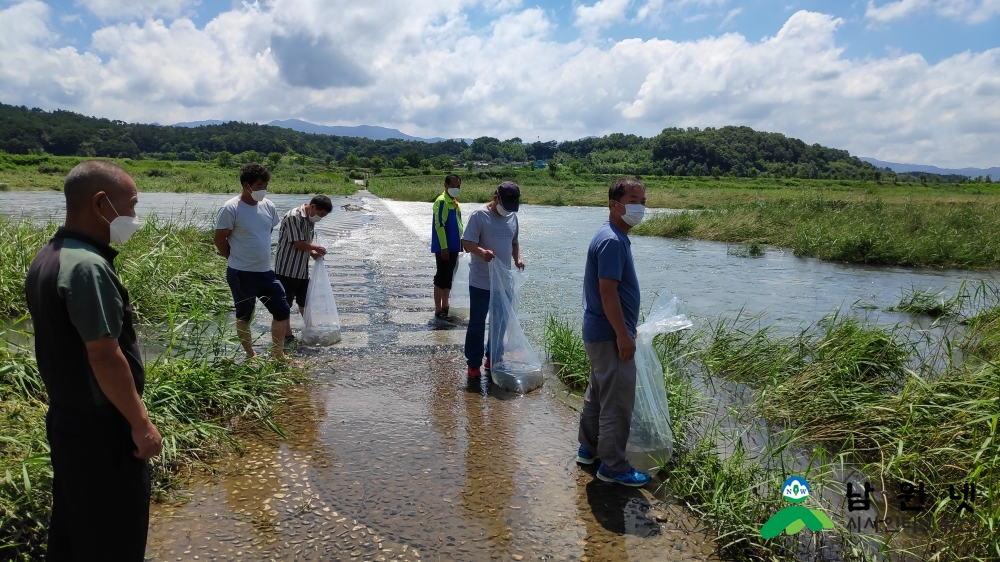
{"x": 243, "y": 235}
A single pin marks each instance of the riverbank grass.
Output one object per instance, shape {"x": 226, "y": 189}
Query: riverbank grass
{"x": 921, "y": 232}
{"x": 169, "y": 266}
{"x": 843, "y": 398}
{"x": 200, "y": 392}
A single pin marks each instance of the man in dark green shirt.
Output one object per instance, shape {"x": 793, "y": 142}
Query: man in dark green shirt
{"x": 88, "y": 357}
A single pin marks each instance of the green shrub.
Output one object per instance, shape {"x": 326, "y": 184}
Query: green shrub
{"x": 52, "y": 169}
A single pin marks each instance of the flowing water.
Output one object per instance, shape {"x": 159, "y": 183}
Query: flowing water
{"x": 388, "y": 456}
{"x": 785, "y": 290}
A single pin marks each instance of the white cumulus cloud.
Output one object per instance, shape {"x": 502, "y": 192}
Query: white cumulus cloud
{"x": 601, "y": 14}
{"x": 971, "y": 11}
{"x": 420, "y": 66}
{"x": 128, "y": 9}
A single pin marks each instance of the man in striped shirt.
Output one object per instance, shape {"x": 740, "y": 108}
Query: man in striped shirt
{"x": 295, "y": 247}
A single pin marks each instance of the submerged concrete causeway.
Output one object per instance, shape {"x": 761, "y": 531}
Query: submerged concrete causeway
{"x": 389, "y": 457}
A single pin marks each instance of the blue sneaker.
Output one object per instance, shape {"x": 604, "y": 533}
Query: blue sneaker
{"x": 583, "y": 456}
{"x": 632, "y": 478}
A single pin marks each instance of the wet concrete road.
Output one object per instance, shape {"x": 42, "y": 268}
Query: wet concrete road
{"x": 389, "y": 457}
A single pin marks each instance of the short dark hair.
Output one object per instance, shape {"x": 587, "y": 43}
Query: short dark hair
{"x": 620, "y": 186}
{"x": 448, "y": 179}
{"x": 252, "y": 172}
{"x": 89, "y": 177}
{"x": 322, "y": 203}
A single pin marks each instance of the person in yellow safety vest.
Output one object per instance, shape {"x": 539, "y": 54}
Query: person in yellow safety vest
{"x": 446, "y": 241}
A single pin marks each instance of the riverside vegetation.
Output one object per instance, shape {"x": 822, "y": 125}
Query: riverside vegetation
{"x": 918, "y": 230}
{"x": 197, "y": 393}
{"x": 857, "y": 221}
{"x": 841, "y": 398}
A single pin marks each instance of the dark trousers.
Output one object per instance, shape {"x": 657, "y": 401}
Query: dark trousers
{"x": 295, "y": 289}
{"x": 100, "y": 491}
{"x": 607, "y": 406}
{"x": 445, "y": 272}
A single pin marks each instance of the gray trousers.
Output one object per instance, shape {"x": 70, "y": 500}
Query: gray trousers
{"x": 607, "y": 406}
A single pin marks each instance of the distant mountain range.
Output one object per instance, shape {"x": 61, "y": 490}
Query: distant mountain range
{"x": 994, "y": 172}
{"x": 364, "y": 131}
{"x": 195, "y": 123}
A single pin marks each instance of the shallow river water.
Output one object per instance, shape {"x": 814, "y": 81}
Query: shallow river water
{"x": 388, "y": 456}
{"x": 784, "y": 289}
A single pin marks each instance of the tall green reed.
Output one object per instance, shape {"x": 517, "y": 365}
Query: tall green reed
{"x": 22, "y": 238}
{"x": 171, "y": 263}
{"x": 167, "y": 261}
{"x": 567, "y": 352}
{"x": 930, "y": 303}
{"x": 910, "y": 233}
{"x": 25, "y": 471}
{"x": 885, "y": 405}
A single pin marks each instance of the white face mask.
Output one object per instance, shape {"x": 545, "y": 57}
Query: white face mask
{"x": 122, "y": 228}
{"x": 258, "y": 195}
{"x": 503, "y": 212}
{"x": 314, "y": 219}
{"x": 633, "y": 213}
{"x": 454, "y": 191}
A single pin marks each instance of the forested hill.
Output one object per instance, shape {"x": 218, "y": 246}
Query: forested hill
{"x": 733, "y": 151}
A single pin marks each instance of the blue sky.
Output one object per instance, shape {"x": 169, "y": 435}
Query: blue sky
{"x": 926, "y": 32}
{"x": 903, "y": 80}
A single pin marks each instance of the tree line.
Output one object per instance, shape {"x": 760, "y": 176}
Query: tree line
{"x": 725, "y": 151}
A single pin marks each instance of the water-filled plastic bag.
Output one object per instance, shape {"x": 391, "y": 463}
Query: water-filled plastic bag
{"x": 514, "y": 365}
{"x": 321, "y": 318}
{"x": 650, "y": 440}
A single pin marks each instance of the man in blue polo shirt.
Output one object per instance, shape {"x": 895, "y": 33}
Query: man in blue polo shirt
{"x": 611, "y": 312}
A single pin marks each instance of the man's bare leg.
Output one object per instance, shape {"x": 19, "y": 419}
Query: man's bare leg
{"x": 278, "y": 338}
{"x": 288, "y": 330}
{"x": 445, "y": 296}
{"x": 438, "y": 298}
{"x": 243, "y": 331}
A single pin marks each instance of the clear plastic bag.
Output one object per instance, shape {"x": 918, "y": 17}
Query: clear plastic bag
{"x": 514, "y": 365}
{"x": 650, "y": 440}
{"x": 459, "y": 296}
{"x": 321, "y": 318}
